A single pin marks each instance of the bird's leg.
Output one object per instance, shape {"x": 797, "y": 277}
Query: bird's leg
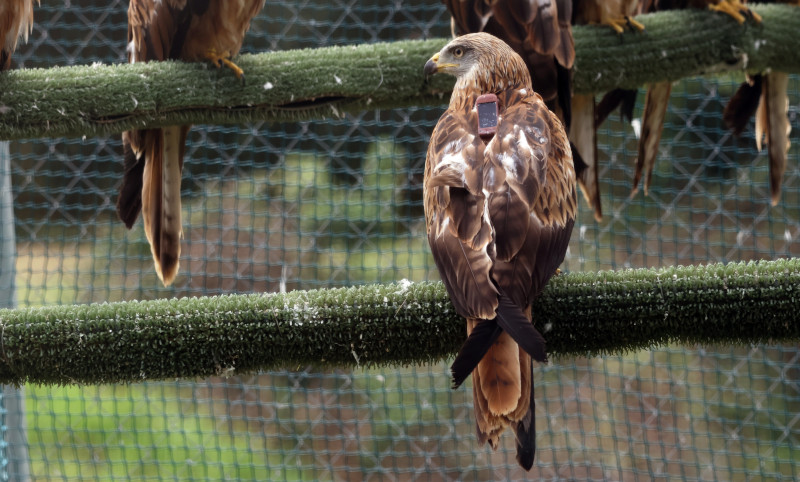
{"x": 220, "y": 58}
{"x": 735, "y": 9}
{"x": 619, "y": 24}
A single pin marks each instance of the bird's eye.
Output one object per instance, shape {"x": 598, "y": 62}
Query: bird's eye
{"x": 458, "y": 52}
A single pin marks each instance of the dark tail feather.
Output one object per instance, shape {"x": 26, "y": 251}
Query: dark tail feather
{"x": 526, "y": 433}
{"x": 742, "y": 105}
{"x": 5, "y": 59}
{"x": 472, "y": 351}
{"x": 625, "y": 99}
{"x": 511, "y": 319}
{"x": 129, "y": 202}
{"x": 577, "y": 160}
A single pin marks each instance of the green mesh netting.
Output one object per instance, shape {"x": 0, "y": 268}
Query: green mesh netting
{"x": 271, "y": 207}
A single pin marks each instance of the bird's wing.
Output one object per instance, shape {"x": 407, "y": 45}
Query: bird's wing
{"x": 535, "y": 201}
{"x": 459, "y": 229}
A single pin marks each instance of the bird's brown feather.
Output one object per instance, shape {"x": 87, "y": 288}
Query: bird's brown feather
{"x": 743, "y": 104}
{"x": 16, "y": 21}
{"x": 655, "y": 111}
{"x": 583, "y": 135}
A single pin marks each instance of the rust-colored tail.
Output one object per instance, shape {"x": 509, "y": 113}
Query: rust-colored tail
{"x": 161, "y": 199}
{"x": 773, "y": 125}
{"x": 502, "y": 387}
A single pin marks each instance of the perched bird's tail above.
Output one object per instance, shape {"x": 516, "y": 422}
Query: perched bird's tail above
{"x": 741, "y": 107}
{"x": 655, "y": 111}
{"x": 764, "y": 95}
{"x": 16, "y": 20}
{"x": 161, "y": 201}
{"x": 583, "y": 136}
{"x": 152, "y": 186}
{"x": 772, "y": 123}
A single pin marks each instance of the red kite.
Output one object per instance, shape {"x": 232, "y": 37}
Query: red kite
{"x": 500, "y": 202}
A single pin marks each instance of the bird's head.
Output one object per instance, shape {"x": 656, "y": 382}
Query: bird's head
{"x": 480, "y": 60}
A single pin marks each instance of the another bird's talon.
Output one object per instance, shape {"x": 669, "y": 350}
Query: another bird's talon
{"x": 634, "y": 24}
{"x": 224, "y": 58}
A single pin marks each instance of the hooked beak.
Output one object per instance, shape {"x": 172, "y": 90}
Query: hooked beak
{"x": 432, "y": 66}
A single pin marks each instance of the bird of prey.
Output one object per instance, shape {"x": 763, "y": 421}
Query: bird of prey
{"x": 657, "y": 97}
{"x": 500, "y": 202}
{"x": 16, "y": 20}
{"x": 765, "y": 95}
{"x": 190, "y": 30}
{"x": 538, "y": 30}
{"x": 616, "y": 14}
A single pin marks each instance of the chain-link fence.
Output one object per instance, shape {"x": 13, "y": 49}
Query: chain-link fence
{"x": 272, "y": 206}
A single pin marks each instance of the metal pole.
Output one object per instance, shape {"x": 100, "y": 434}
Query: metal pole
{"x": 14, "y": 442}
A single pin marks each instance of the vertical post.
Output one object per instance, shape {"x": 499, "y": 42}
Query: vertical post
{"x": 13, "y": 434}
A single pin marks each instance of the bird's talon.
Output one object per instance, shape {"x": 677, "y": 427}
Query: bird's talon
{"x": 726, "y": 8}
{"x": 735, "y": 9}
{"x": 634, "y": 24}
{"x": 218, "y": 59}
{"x": 620, "y": 24}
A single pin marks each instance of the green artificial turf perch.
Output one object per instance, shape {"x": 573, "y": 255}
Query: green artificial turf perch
{"x": 99, "y": 100}
{"x": 391, "y": 325}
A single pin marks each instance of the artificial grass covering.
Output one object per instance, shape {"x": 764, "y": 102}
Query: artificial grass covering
{"x": 579, "y": 313}
{"x": 99, "y": 100}
{"x": 390, "y": 325}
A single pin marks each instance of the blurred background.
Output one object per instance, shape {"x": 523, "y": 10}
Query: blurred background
{"x": 284, "y": 206}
